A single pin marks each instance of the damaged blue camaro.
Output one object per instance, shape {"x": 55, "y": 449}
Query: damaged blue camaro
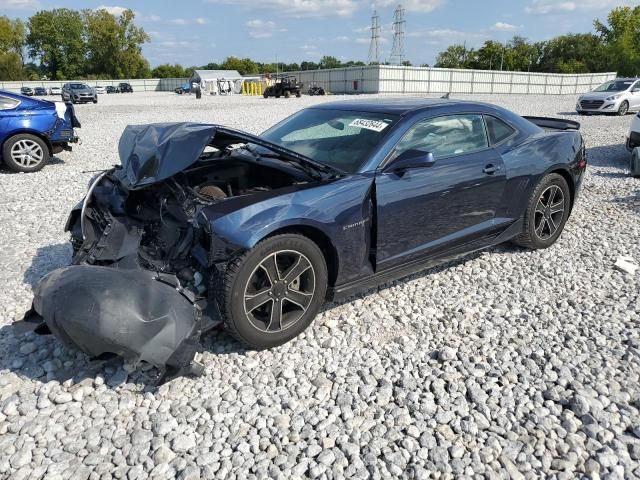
{"x": 203, "y": 225}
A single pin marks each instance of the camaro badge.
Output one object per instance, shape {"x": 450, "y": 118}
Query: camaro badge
{"x": 357, "y": 224}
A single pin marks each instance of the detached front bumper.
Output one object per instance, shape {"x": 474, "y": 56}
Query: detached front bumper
{"x": 131, "y": 313}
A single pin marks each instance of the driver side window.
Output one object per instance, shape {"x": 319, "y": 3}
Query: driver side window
{"x": 446, "y": 136}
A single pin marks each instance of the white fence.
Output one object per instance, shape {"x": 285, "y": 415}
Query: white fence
{"x": 389, "y": 79}
{"x": 138, "y": 85}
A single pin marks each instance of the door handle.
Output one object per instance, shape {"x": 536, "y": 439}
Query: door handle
{"x": 491, "y": 169}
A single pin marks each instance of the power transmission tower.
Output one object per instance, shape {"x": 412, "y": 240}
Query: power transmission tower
{"x": 374, "y": 48}
{"x": 399, "y": 24}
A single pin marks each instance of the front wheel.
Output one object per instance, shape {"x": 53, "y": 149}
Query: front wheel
{"x": 25, "y": 153}
{"x": 624, "y": 108}
{"x": 547, "y": 212}
{"x": 273, "y": 292}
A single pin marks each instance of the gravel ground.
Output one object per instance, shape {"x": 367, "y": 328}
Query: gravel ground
{"x": 509, "y": 364}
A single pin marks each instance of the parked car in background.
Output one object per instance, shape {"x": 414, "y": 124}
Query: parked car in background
{"x": 633, "y": 144}
{"x": 184, "y": 88}
{"x": 55, "y": 91}
{"x": 111, "y": 89}
{"x": 32, "y": 130}
{"x": 28, "y": 91}
{"x": 40, "y": 91}
{"x": 79, "y": 93}
{"x": 125, "y": 87}
{"x": 617, "y": 96}
{"x": 257, "y": 231}
{"x": 99, "y": 89}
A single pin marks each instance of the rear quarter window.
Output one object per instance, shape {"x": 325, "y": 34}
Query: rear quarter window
{"x": 7, "y": 103}
{"x": 498, "y": 130}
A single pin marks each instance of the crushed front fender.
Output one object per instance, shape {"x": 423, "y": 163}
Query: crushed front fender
{"x": 131, "y": 313}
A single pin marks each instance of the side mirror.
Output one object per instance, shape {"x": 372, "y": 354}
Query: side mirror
{"x": 411, "y": 159}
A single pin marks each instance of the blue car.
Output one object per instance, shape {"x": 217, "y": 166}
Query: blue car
{"x": 33, "y": 130}
{"x": 204, "y": 225}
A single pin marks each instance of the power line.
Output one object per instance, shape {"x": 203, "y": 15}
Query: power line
{"x": 399, "y": 24}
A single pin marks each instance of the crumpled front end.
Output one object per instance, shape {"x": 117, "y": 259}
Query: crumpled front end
{"x": 144, "y": 279}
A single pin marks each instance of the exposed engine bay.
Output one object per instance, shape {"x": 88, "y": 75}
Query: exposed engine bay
{"x": 142, "y": 282}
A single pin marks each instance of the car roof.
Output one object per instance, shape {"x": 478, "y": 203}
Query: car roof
{"x": 396, "y": 105}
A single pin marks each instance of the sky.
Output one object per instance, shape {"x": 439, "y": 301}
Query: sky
{"x": 196, "y": 32}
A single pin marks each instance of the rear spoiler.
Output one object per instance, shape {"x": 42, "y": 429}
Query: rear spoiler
{"x": 553, "y": 123}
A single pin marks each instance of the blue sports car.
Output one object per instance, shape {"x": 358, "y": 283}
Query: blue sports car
{"x": 32, "y": 130}
{"x": 204, "y": 225}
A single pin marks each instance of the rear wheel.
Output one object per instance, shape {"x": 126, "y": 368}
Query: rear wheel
{"x": 287, "y": 94}
{"x": 25, "y": 153}
{"x": 624, "y": 108}
{"x": 547, "y": 212}
{"x": 273, "y": 292}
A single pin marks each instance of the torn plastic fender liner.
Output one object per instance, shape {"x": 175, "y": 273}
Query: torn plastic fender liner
{"x": 105, "y": 310}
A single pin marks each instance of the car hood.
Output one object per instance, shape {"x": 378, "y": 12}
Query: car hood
{"x": 152, "y": 153}
{"x": 600, "y": 95}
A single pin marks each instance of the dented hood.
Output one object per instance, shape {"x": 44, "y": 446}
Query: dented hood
{"x": 152, "y": 153}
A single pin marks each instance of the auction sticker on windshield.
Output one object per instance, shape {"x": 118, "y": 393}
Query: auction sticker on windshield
{"x": 375, "y": 125}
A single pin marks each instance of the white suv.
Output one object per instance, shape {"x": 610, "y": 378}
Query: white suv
{"x": 616, "y": 96}
{"x": 633, "y": 144}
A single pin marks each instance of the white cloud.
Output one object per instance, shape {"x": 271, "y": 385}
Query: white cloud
{"x": 545, "y": 7}
{"x": 173, "y": 44}
{"x": 413, "y": 5}
{"x": 263, "y": 29}
{"x": 342, "y": 38}
{"x": 504, "y": 27}
{"x": 179, "y": 21}
{"x": 302, "y": 8}
{"x": 17, "y": 4}
{"x": 201, "y": 21}
{"x": 113, "y": 9}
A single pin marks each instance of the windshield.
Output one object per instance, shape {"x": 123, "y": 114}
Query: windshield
{"x": 77, "y": 86}
{"x": 614, "y": 86}
{"x": 337, "y": 138}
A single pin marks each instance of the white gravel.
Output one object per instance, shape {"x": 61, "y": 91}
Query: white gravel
{"x": 509, "y": 364}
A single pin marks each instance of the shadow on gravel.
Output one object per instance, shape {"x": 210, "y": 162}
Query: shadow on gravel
{"x": 47, "y": 259}
{"x": 632, "y": 202}
{"x": 615, "y": 156}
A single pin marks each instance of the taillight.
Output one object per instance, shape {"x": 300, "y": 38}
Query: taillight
{"x": 582, "y": 163}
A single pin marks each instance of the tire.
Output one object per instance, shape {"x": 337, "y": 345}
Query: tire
{"x": 265, "y": 95}
{"x": 14, "y": 149}
{"x": 246, "y": 275}
{"x": 542, "y": 227}
{"x": 635, "y": 163}
{"x": 298, "y": 95}
{"x": 95, "y": 101}
{"x": 624, "y": 108}
{"x": 287, "y": 94}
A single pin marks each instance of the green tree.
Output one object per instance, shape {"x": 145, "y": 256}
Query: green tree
{"x": 456, "y": 56}
{"x": 169, "y": 71}
{"x": 621, "y": 35}
{"x": 329, "y": 62}
{"x": 244, "y": 66}
{"x": 12, "y": 39}
{"x": 56, "y": 39}
{"x": 573, "y": 53}
{"x": 114, "y": 45}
